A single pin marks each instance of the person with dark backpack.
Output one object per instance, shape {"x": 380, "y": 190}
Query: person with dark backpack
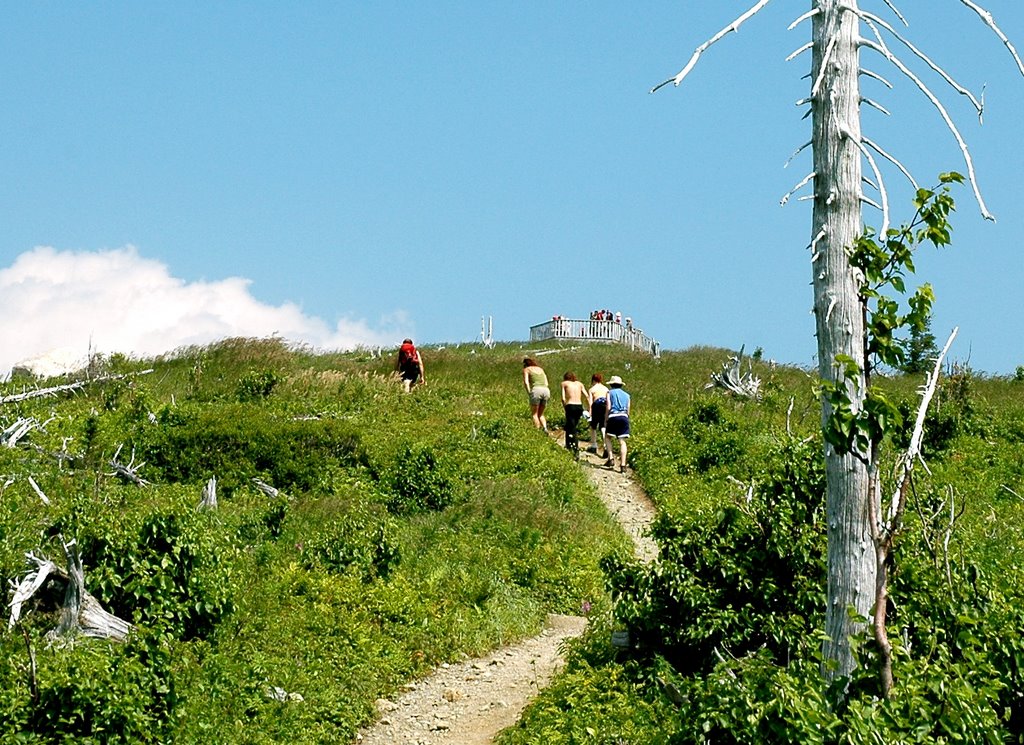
{"x": 410, "y": 365}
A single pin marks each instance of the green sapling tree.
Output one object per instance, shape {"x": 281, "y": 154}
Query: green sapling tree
{"x": 859, "y": 431}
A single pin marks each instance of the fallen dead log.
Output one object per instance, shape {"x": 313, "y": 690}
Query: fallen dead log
{"x": 129, "y": 472}
{"x": 65, "y": 388}
{"x": 81, "y": 614}
{"x": 21, "y": 427}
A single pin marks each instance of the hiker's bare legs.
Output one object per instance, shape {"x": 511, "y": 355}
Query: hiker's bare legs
{"x": 539, "y": 420}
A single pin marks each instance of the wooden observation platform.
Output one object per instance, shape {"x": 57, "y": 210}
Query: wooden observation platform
{"x": 604, "y": 332}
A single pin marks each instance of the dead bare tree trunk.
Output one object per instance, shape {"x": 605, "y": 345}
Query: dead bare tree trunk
{"x": 836, "y": 224}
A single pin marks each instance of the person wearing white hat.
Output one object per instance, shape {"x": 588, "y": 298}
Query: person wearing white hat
{"x": 616, "y": 421}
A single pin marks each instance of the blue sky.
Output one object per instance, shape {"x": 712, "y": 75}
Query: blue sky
{"x": 348, "y": 173}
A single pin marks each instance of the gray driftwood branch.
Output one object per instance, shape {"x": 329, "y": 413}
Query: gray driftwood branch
{"x": 733, "y": 379}
{"x": 65, "y": 388}
{"x": 81, "y": 613}
{"x": 129, "y": 472}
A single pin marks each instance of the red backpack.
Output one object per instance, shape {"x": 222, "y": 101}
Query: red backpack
{"x": 407, "y": 356}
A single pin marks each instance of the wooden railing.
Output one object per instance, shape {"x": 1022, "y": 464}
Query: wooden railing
{"x": 572, "y": 329}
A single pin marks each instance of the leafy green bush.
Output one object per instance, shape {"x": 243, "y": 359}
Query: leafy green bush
{"x": 356, "y": 539}
{"x": 750, "y": 576}
{"x": 419, "y": 480}
{"x": 95, "y": 692}
{"x": 597, "y": 706}
{"x": 173, "y": 570}
{"x": 237, "y": 442}
{"x": 256, "y": 385}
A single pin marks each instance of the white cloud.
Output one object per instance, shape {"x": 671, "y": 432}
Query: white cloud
{"x": 58, "y": 302}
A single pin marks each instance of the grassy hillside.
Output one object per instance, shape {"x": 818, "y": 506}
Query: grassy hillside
{"x": 410, "y": 529}
{"x": 726, "y": 629}
{"x": 414, "y": 529}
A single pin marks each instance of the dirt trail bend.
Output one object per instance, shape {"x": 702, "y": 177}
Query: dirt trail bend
{"x": 468, "y": 703}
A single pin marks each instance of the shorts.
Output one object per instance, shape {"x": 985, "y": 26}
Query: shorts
{"x": 539, "y": 395}
{"x": 618, "y": 426}
{"x": 597, "y": 410}
{"x": 410, "y": 372}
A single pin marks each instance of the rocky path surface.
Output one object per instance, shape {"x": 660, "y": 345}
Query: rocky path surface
{"x": 468, "y": 703}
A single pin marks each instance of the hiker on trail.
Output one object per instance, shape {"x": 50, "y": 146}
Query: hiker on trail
{"x": 410, "y": 365}
{"x": 536, "y": 382}
{"x": 598, "y": 406}
{"x": 616, "y": 422}
{"x": 574, "y": 397}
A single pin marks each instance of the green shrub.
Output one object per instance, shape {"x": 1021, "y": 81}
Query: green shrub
{"x": 749, "y": 576}
{"x": 236, "y": 443}
{"x": 96, "y": 692}
{"x": 174, "y": 570}
{"x": 256, "y": 385}
{"x": 357, "y": 539}
{"x": 419, "y": 481}
{"x": 597, "y": 706}
{"x": 714, "y": 437}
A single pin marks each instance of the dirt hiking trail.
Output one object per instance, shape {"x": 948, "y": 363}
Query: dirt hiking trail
{"x": 470, "y": 702}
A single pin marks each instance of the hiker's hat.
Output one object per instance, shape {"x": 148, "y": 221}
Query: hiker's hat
{"x": 615, "y": 380}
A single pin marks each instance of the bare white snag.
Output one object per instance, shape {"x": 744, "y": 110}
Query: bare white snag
{"x": 913, "y": 452}
{"x": 81, "y": 613}
{"x": 29, "y": 585}
{"x": 884, "y": 530}
{"x": 839, "y": 151}
{"x": 209, "y": 499}
{"x": 733, "y": 379}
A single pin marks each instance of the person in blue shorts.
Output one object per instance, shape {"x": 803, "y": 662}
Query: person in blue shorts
{"x": 616, "y": 422}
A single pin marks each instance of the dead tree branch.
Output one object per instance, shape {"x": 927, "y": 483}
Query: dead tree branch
{"x": 989, "y": 21}
{"x": 10, "y": 436}
{"x": 39, "y": 492}
{"x": 734, "y": 380}
{"x": 734, "y": 26}
{"x": 880, "y": 46}
{"x": 129, "y": 472}
{"x": 266, "y": 488}
{"x": 884, "y": 530}
{"x": 66, "y": 388}
{"x": 29, "y": 585}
